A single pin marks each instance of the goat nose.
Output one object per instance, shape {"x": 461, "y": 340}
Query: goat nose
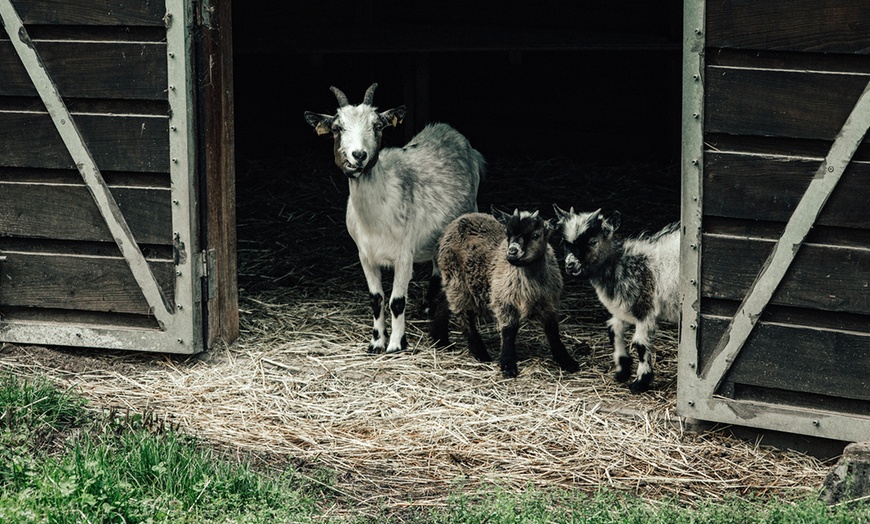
{"x": 359, "y": 155}
{"x": 513, "y": 250}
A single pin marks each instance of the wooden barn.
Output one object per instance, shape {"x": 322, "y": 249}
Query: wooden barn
{"x": 122, "y": 125}
{"x": 776, "y": 255}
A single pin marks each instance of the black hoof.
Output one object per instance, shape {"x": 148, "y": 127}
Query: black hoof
{"x": 642, "y": 384}
{"x": 568, "y": 365}
{"x": 624, "y": 372}
{"x": 481, "y": 354}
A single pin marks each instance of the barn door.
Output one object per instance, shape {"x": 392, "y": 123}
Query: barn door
{"x": 100, "y": 209}
{"x": 775, "y": 266}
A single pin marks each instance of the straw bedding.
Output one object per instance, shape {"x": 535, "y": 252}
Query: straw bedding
{"x": 298, "y": 388}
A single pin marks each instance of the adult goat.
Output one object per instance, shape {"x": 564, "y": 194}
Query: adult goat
{"x": 401, "y": 199}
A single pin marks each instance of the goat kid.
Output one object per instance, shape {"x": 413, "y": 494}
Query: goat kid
{"x": 636, "y": 279}
{"x": 401, "y": 199}
{"x": 506, "y": 269}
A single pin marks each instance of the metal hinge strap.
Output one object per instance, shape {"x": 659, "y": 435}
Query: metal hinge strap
{"x": 206, "y": 266}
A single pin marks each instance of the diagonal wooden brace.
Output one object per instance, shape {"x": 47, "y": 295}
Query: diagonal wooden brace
{"x": 786, "y": 248}
{"x": 84, "y": 161}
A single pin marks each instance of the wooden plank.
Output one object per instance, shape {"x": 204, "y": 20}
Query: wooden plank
{"x": 36, "y": 315}
{"x": 796, "y": 358}
{"x": 739, "y": 186}
{"x": 78, "y": 283}
{"x": 91, "y": 12}
{"x": 789, "y": 60}
{"x": 779, "y": 103}
{"x": 691, "y": 206}
{"x": 809, "y": 318}
{"x": 188, "y": 318}
{"x": 826, "y": 26}
{"x": 68, "y": 212}
{"x": 808, "y": 401}
{"x": 774, "y": 146}
{"x": 215, "y": 72}
{"x": 821, "y": 277}
{"x": 122, "y": 179}
{"x": 117, "y": 143}
{"x": 757, "y": 229}
{"x": 816, "y": 423}
{"x": 135, "y": 70}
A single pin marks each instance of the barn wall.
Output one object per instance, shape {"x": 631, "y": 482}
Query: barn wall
{"x": 780, "y": 81}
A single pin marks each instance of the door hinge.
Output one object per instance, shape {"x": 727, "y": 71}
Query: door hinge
{"x": 206, "y": 266}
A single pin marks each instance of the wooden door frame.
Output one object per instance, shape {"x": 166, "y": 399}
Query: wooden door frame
{"x": 214, "y": 69}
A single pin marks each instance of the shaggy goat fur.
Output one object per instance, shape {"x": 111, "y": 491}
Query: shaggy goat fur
{"x": 506, "y": 270}
{"x": 636, "y": 279}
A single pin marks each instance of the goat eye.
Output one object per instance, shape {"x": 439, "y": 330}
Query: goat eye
{"x": 337, "y": 129}
{"x": 378, "y": 126}
{"x": 593, "y": 242}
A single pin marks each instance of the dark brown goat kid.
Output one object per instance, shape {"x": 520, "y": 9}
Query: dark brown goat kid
{"x": 503, "y": 269}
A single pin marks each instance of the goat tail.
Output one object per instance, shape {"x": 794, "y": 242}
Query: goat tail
{"x": 663, "y": 232}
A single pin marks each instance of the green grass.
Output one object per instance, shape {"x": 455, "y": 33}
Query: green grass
{"x": 612, "y": 508}
{"x": 60, "y": 463}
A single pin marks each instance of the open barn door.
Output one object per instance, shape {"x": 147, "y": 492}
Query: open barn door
{"x": 107, "y": 169}
{"x": 775, "y": 265}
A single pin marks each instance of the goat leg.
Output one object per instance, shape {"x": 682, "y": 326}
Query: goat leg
{"x": 508, "y": 358}
{"x": 560, "y": 353}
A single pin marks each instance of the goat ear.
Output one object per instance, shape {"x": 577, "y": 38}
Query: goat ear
{"x": 594, "y": 217}
{"x": 611, "y": 223}
{"x": 394, "y": 117}
{"x": 500, "y": 215}
{"x": 550, "y": 225}
{"x": 322, "y": 124}
{"x": 561, "y": 214}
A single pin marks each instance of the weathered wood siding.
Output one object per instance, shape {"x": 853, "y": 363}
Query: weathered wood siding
{"x": 780, "y": 80}
{"x": 108, "y": 59}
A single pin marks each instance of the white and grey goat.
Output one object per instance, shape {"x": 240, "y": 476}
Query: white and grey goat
{"x": 504, "y": 269}
{"x": 636, "y": 279}
{"x": 401, "y": 199}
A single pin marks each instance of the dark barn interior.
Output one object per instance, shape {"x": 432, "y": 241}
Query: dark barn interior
{"x": 574, "y": 104}
{"x": 587, "y": 81}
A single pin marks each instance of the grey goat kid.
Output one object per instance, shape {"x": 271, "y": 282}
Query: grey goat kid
{"x": 504, "y": 269}
{"x": 401, "y": 199}
{"x": 636, "y": 279}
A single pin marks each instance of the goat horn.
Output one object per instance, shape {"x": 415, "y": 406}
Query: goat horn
{"x": 370, "y": 94}
{"x": 342, "y": 98}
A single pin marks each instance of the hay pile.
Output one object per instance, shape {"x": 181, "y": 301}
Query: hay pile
{"x": 298, "y": 388}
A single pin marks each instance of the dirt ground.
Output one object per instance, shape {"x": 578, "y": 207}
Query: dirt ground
{"x": 298, "y": 389}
